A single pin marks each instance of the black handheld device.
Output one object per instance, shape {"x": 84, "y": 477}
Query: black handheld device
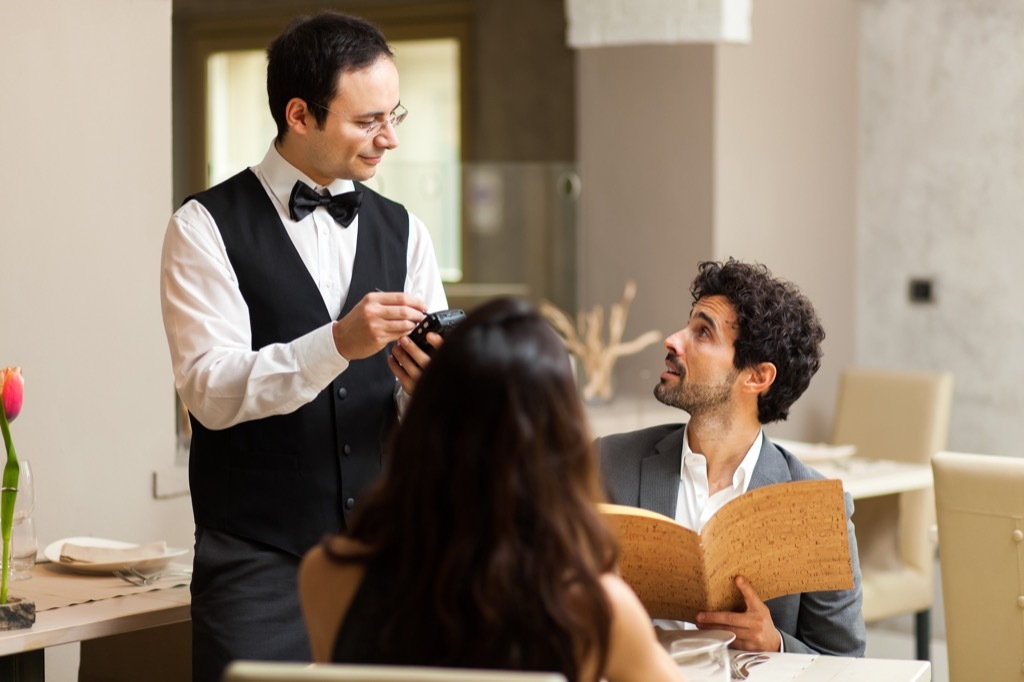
{"x": 441, "y": 322}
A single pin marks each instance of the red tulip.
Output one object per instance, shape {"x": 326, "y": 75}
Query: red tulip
{"x": 12, "y": 393}
{"x": 12, "y": 387}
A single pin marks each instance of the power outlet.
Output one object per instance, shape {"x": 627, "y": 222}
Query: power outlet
{"x": 922, "y": 290}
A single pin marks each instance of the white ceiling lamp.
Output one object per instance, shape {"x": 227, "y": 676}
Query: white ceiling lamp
{"x": 599, "y": 23}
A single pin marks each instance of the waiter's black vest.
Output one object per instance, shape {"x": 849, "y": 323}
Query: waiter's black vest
{"x": 287, "y": 480}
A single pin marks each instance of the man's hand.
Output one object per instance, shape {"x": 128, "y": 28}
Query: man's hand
{"x": 377, "y": 320}
{"x": 754, "y": 628}
{"x": 407, "y": 360}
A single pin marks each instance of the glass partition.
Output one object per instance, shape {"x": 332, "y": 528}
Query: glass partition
{"x": 498, "y": 228}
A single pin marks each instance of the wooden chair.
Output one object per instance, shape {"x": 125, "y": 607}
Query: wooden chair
{"x": 980, "y": 503}
{"x": 897, "y": 415}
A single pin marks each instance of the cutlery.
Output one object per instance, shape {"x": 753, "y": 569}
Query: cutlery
{"x": 740, "y": 664}
{"x": 139, "y": 579}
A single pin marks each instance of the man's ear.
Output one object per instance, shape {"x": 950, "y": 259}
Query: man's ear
{"x": 760, "y": 377}
{"x": 298, "y": 116}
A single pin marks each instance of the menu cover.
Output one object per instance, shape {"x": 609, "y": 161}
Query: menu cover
{"x": 785, "y": 539}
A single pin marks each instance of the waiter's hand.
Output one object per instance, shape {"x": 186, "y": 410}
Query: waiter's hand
{"x": 753, "y": 628}
{"x": 377, "y": 320}
{"x": 407, "y": 360}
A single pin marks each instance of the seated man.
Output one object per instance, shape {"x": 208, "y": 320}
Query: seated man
{"x": 748, "y": 351}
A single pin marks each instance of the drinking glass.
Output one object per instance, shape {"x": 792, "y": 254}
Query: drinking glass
{"x": 25, "y": 502}
{"x": 23, "y": 548}
{"x": 702, "y": 659}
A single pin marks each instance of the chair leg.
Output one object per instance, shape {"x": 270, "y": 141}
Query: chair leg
{"x": 922, "y": 634}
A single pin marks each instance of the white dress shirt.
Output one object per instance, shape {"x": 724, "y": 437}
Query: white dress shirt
{"x": 219, "y": 377}
{"x": 695, "y": 505}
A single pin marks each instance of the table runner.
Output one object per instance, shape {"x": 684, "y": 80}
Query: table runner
{"x": 53, "y": 586}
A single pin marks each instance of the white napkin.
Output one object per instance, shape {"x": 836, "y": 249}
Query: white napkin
{"x": 72, "y": 553}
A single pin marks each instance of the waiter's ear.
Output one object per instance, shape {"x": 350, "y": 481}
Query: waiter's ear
{"x": 298, "y": 116}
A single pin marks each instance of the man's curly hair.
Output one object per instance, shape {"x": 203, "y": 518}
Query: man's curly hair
{"x": 777, "y": 324}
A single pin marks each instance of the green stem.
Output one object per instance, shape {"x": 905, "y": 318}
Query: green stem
{"x": 7, "y": 498}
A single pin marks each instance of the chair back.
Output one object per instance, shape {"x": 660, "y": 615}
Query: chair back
{"x": 898, "y": 415}
{"x": 903, "y": 416}
{"x": 980, "y": 503}
{"x": 265, "y": 671}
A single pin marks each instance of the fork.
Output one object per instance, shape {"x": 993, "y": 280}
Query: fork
{"x": 139, "y": 579}
{"x": 740, "y": 664}
{"x": 736, "y": 672}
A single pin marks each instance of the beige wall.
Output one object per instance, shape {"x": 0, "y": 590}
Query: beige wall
{"x": 695, "y": 152}
{"x": 645, "y": 142}
{"x": 87, "y": 117}
{"x": 786, "y": 171}
{"x": 87, "y": 120}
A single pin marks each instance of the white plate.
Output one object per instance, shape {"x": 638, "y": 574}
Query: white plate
{"x": 815, "y": 452}
{"x": 52, "y": 553}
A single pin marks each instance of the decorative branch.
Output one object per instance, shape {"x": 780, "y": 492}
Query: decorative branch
{"x": 584, "y": 340}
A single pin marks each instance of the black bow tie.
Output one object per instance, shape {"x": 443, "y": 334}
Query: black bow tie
{"x": 342, "y": 207}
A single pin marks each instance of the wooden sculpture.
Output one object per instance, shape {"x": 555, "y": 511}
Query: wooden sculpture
{"x": 584, "y": 340}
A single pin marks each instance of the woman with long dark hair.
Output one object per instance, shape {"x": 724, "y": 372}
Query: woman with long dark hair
{"x": 482, "y": 546}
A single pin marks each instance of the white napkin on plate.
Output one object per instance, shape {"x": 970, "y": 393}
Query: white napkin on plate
{"x": 72, "y": 553}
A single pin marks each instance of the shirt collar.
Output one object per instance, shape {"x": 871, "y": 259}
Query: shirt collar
{"x": 741, "y": 477}
{"x": 280, "y": 176}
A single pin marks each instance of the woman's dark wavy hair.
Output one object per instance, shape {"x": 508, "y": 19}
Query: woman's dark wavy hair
{"x": 309, "y": 55}
{"x": 487, "y": 508}
{"x": 777, "y": 324}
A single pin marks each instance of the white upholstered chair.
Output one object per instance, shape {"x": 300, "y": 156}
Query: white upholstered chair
{"x": 264, "y": 671}
{"x": 897, "y": 415}
{"x": 980, "y": 503}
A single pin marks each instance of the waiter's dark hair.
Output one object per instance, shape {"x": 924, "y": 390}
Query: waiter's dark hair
{"x": 487, "y": 508}
{"x": 777, "y": 324}
{"x": 309, "y": 55}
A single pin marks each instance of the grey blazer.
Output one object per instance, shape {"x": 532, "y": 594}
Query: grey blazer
{"x": 641, "y": 469}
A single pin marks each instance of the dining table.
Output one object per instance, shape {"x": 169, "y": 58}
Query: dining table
{"x": 788, "y": 667}
{"x": 862, "y": 477}
{"x": 74, "y": 607}
{"x": 92, "y": 608}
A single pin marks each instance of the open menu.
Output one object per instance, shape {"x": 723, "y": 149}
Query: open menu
{"x": 785, "y": 538}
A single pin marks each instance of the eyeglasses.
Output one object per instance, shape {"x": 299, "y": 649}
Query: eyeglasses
{"x": 373, "y": 129}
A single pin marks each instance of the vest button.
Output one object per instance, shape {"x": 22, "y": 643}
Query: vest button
{"x": 346, "y": 449}
{"x": 1020, "y": 601}
{"x": 1018, "y": 535}
{"x": 349, "y": 503}
{"x": 342, "y": 393}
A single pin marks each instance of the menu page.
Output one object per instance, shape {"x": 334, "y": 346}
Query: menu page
{"x": 785, "y": 539}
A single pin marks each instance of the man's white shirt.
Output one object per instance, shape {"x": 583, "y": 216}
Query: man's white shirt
{"x": 695, "y": 505}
